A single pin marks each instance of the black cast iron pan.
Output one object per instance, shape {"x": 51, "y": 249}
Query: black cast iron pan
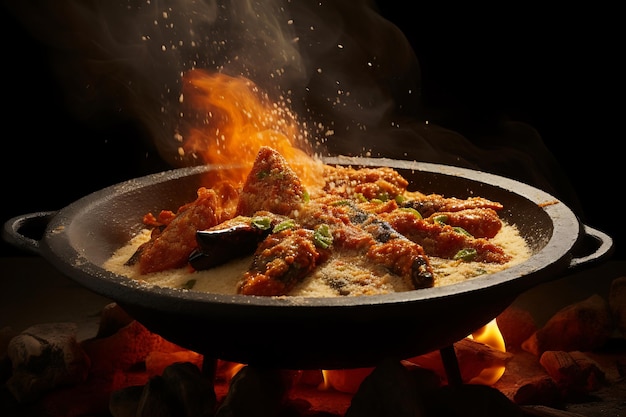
{"x": 309, "y": 333}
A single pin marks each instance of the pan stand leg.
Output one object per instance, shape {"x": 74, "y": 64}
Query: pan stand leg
{"x": 451, "y": 366}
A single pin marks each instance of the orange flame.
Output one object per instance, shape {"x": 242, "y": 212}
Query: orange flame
{"x": 227, "y": 370}
{"x": 474, "y": 370}
{"x": 490, "y": 335}
{"x": 229, "y": 118}
{"x": 344, "y": 380}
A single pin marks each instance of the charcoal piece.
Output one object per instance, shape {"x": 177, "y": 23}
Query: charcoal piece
{"x": 181, "y": 391}
{"x": 191, "y": 389}
{"x": 124, "y": 402}
{"x": 389, "y": 390}
{"x": 156, "y": 400}
{"x": 256, "y": 392}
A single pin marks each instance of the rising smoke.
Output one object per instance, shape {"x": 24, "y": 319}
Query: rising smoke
{"x": 340, "y": 65}
{"x": 348, "y": 73}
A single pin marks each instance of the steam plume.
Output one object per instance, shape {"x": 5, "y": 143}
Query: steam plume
{"x": 350, "y": 74}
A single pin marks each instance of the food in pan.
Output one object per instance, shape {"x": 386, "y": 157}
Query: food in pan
{"x": 360, "y": 232}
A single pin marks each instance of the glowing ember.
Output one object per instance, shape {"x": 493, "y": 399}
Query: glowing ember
{"x": 229, "y": 369}
{"x": 230, "y": 118}
{"x": 349, "y": 380}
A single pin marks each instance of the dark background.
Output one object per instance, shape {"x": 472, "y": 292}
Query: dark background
{"x": 557, "y": 71}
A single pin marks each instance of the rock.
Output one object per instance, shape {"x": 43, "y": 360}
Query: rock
{"x": 6, "y": 334}
{"x": 617, "y": 303}
{"x": 583, "y": 326}
{"x": 181, "y": 391}
{"x": 469, "y": 400}
{"x": 43, "y": 357}
{"x": 516, "y": 325}
{"x": 574, "y": 372}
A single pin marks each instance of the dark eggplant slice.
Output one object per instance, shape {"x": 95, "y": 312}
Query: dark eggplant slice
{"x": 421, "y": 275}
{"x": 217, "y": 246}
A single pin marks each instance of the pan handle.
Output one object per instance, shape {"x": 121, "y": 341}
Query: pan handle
{"x": 599, "y": 243}
{"x": 25, "y": 231}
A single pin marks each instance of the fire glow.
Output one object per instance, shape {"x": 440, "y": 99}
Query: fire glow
{"x": 491, "y": 336}
{"x": 349, "y": 380}
{"x": 230, "y": 118}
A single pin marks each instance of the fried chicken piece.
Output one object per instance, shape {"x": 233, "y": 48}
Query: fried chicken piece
{"x": 427, "y": 205}
{"x": 479, "y": 222}
{"x": 271, "y": 185}
{"x": 281, "y": 261}
{"x": 171, "y": 246}
{"x": 356, "y": 229}
{"x": 406, "y": 259}
{"x": 443, "y": 240}
{"x": 372, "y": 183}
{"x": 285, "y": 258}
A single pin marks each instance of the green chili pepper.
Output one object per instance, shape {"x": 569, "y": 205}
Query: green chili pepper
{"x": 275, "y": 175}
{"x": 322, "y": 236}
{"x": 284, "y": 225}
{"x": 261, "y": 222}
{"x": 440, "y": 219}
{"x": 360, "y": 198}
{"x": 412, "y": 211}
{"x": 466, "y": 255}
{"x": 383, "y": 196}
{"x": 189, "y": 284}
{"x": 462, "y": 231}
